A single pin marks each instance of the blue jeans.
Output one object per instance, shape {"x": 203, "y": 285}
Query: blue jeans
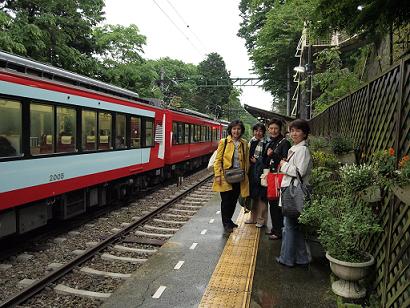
{"x": 293, "y": 250}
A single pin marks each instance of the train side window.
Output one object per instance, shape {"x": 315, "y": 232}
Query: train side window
{"x": 186, "y": 133}
{"x": 41, "y": 129}
{"x": 174, "y": 132}
{"x": 135, "y": 132}
{"x": 197, "y": 133}
{"x": 66, "y": 129}
{"x": 192, "y": 133}
{"x": 203, "y": 133}
{"x": 120, "y": 131}
{"x": 149, "y": 133}
{"x": 89, "y": 128}
{"x": 10, "y": 128}
{"x": 180, "y": 133}
{"x": 105, "y": 130}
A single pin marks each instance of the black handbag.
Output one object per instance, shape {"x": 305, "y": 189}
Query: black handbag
{"x": 293, "y": 197}
{"x": 233, "y": 175}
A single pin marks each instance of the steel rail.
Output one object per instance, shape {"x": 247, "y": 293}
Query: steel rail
{"x": 39, "y": 285}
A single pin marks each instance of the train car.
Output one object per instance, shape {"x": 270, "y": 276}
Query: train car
{"x": 224, "y": 127}
{"x": 68, "y": 142}
{"x": 191, "y": 138}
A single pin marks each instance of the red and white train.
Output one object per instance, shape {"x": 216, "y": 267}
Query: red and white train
{"x": 69, "y": 143}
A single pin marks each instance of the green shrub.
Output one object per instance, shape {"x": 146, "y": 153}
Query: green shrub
{"x": 341, "y": 145}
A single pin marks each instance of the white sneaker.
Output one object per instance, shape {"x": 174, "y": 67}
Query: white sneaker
{"x": 258, "y": 225}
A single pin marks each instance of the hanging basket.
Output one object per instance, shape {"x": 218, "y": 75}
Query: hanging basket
{"x": 403, "y": 193}
{"x": 371, "y": 194}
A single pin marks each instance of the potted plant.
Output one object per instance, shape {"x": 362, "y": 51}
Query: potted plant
{"x": 402, "y": 188}
{"x": 342, "y": 219}
{"x": 319, "y": 144}
{"x": 343, "y": 148}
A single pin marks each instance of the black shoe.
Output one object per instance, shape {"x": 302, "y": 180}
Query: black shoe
{"x": 233, "y": 225}
{"x": 228, "y": 229}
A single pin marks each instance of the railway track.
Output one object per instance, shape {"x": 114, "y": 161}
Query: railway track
{"x": 95, "y": 272}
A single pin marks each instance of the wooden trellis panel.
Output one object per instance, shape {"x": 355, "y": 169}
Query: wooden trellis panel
{"x": 377, "y": 117}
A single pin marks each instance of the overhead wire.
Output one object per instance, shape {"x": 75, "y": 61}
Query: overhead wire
{"x": 178, "y": 28}
{"x": 187, "y": 25}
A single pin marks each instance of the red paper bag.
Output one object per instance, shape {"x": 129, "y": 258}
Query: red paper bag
{"x": 274, "y": 182}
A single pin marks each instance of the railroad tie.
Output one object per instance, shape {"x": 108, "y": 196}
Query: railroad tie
{"x": 91, "y": 271}
{"x": 110, "y": 257}
{"x": 63, "y": 289}
{"x": 136, "y": 250}
{"x": 138, "y": 232}
{"x": 161, "y": 228}
{"x": 171, "y": 222}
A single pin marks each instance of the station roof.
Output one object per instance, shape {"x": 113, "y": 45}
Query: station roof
{"x": 267, "y": 115}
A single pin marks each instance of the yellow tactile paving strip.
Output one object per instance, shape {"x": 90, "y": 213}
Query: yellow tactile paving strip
{"x": 231, "y": 282}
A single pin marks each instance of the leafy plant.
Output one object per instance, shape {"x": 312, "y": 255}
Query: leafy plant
{"x": 327, "y": 160}
{"x": 318, "y": 143}
{"x": 341, "y": 222}
{"x": 341, "y": 145}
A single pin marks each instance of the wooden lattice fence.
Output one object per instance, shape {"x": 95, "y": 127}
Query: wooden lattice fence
{"x": 377, "y": 117}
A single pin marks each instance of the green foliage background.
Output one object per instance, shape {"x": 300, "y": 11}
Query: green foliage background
{"x": 70, "y": 35}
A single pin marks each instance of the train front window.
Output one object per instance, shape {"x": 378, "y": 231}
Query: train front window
{"x": 66, "y": 129}
{"x": 10, "y": 128}
{"x": 105, "y": 129}
{"x": 149, "y": 133}
{"x": 89, "y": 123}
{"x": 41, "y": 129}
{"x": 135, "y": 132}
{"x": 120, "y": 131}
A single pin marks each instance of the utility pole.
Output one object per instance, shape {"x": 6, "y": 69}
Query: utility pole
{"x": 309, "y": 84}
{"x": 288, "y": 111}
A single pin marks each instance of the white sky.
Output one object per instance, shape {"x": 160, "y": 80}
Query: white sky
{"x": 214, "y": 22}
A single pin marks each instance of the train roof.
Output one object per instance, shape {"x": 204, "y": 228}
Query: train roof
{"x": 194, "y": 113}
{"x": 39, "y": 69}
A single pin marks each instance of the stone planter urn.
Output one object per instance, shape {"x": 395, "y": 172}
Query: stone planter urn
{"x": 371, "y": 194}
{"x": 347, "y": 158}
{"x": 349, "y": 274}
{"x": 403, "y": 193}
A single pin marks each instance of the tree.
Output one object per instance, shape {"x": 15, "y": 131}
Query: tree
{"x": 272, "y": 30}
{"x": 178, "y": 81}
{"x": 58, "y": 32}
{"x": 355, "y": 16}
{"x": 212, "y": 99}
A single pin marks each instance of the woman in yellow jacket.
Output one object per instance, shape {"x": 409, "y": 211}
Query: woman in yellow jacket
{"x": 232, "y": 153}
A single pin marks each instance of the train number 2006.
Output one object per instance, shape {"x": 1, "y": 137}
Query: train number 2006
{"x": 56, "y": 177}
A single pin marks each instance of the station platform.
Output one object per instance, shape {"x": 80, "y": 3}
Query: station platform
{"x": 200, "y": 266}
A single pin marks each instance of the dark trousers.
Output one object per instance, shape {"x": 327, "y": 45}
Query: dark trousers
{"x": 276, "y": 217}
{"x": 228, "y": 203}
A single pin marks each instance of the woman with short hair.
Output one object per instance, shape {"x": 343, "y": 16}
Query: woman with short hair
{"x": 293, "y": 251}
{"x": 232, "y": 152}
{"x": 256, "y": 191}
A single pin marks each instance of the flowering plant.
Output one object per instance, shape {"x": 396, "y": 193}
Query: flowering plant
{"x": 357, "y": 177}
{"x": 384, "y": 164}
{"x": 404, "y": 170}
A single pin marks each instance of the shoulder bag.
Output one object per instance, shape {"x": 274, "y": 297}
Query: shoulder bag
{"x": 293, "y": 197}
{"x": 233, "y": 175}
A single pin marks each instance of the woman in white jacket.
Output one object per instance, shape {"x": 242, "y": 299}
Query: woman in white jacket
{"x": 293, "y": 251}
